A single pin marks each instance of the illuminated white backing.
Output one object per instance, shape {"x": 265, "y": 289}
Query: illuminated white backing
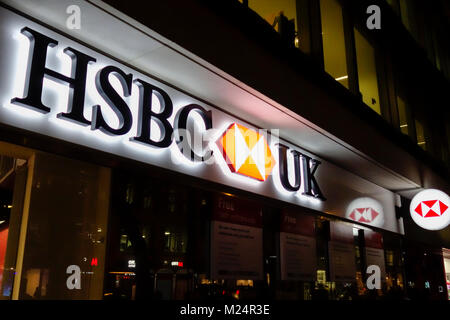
{"x": 430, "y": 209}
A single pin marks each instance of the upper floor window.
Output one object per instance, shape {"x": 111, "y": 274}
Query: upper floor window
{"x": 333, "y": 41}
{"x": 421, "y": 135}
{"x": 403, "y": 116}
{"x": 280, "y": 14}
{"x": 367, "y": 72}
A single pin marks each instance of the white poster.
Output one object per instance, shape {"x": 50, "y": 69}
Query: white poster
{"x": 375, "y": 256}
{"x": 297, "y": 257}
{"x": 342, "y": 261}
{"x": 236, "y": 251}
{"x": 375, "y": 251}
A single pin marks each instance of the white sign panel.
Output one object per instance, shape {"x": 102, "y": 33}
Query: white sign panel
{"x": 236, "y": 251}
{"x": 430, "y": 209}
{"x": 342, "y": 261}
{"x": 341, "y": 252}
{"x": 366, "y": 210}
{"x": 297, "y": 257}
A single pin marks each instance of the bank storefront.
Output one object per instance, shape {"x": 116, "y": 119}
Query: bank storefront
{"x": 116, "y": 184}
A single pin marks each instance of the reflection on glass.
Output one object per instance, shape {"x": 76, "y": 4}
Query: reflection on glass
{"x": 13, "y": 173}
{"x": 402, "y": 115}
{"x": 67, "y": 226}
{"x": 405, "y": 13}
{"x": 161, "y": 237}
{"x": 420, "y": 135}
{"x": 281, "y": 15}
{"x": 367, "y": 72}
{"x": 333, "y": 41}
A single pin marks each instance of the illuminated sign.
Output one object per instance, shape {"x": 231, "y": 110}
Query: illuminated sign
{"x": 430, "y": 209}
{"x": 37, "y": 72}
{"x": 366, "y": 210}
{"x": 57, "y": 87}
{"x": 245, "y": 150}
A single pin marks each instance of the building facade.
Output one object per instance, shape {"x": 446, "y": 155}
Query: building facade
{"x": 226, "y": 150}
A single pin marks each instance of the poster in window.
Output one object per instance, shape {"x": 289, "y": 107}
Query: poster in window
{"x": 297, "y": 247}
{"x": 375, "y": 251}
{"x": 341, "y": 250}
{"x": 236, "y": 239}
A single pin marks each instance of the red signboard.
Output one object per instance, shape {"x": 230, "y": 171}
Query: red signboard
{"x": 233, "y": 210}
{"x": 297, "y": 223}
{"x": 3, "y": 241}
{"x": 341, "y": 232}
{"x": 373, "y": 239}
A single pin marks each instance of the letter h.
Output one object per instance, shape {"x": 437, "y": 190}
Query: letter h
{"x": 36, "y": 71}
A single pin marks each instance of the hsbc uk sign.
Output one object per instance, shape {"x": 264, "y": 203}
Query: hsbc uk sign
{"x": 156, "y": 125}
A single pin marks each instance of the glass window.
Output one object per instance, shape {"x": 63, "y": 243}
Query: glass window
{"x": 333, "y": 40}
{"x": 64, "y": 249}
{"x": 394, "y": 4}
{"x": 421, "y": 135}
{"x": 404, "y": 116}
{"x": 13, "y": 177}
{"x": 280, "y": 14}
{"x": 405, "y": 13}
{"x": 159, "y": 240}
{"x": 367, "y": 72}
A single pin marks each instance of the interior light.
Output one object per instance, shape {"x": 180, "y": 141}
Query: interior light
{"x": 167, "y": 233}
{"x": 341, "y": 78}
{"x": 2, "y": 221}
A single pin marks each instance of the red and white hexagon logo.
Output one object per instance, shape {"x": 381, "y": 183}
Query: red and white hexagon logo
{"x": 430, "y": 209}
{"x": 246, "y": 152}
{"x": 366, "y": 210}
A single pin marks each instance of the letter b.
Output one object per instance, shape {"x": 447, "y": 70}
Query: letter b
{"x": 146, "y": 114}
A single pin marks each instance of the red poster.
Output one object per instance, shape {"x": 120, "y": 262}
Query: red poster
{"x": 3, "y": 241}
{"x": 341, "y": 232}
{"x": 296, "y": 223}
{"x": 373, "y": 239}
{"x": 233, "y": 210}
